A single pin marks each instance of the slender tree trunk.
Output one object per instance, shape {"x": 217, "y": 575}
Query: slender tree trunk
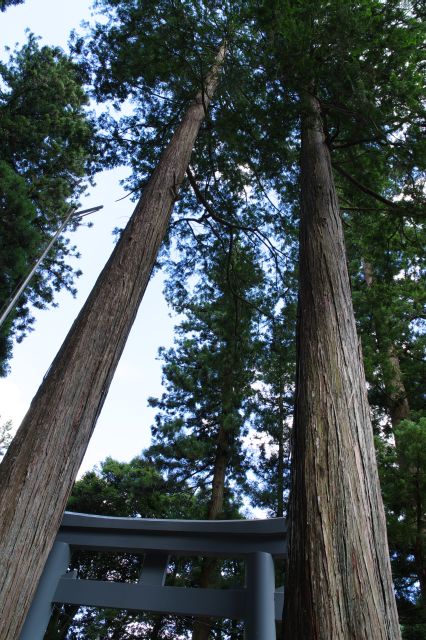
{"x": 38, "y": 472}
{"x": 339, "y": 584}
{"x": 203, "y": 625}
{"x": 399, "y": 409}
{"x": 280, "y": 465}
{"x": 419, "y": 545}
{"x": 60, "y": 623}
{"x": 224, "y": 443}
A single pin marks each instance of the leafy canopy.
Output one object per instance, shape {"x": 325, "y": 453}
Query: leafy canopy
{"x": 46, "y": 140}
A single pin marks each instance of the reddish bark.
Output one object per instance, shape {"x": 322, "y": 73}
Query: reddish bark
{"x": 38, "y": 472}
{"x": 339, "y": 582}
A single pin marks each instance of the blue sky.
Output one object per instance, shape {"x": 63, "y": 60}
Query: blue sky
{"x": 123, "y": 427}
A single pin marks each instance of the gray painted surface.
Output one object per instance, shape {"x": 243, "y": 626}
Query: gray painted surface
{"x": 221, "y": 603}
{"x": 260, "y": 603}
{"x": 39, "y": 614}
{"x": 154, "y": 569}
{"x": 256, "y": 541}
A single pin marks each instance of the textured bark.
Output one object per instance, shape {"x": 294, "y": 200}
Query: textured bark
{"x": 38, "y": 472}
{"x": 399, "y": 408}
{"x": 339, "y": 582}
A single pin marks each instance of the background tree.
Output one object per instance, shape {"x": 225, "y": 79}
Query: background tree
{"x": 133, "y": 489}
{"x": 404, "y": 490}
{"x": 272, "y": 413}
{"x": 7, "y": 3}
{"x": 200, "y": 425}
{"x": 47, "y": 154}
{"x": 5, "y": 436}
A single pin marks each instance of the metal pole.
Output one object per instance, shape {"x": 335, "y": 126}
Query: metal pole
{"x": 41, "y": 609}
{"x": 260, "y": 585}
{"x": 18, "y": 293}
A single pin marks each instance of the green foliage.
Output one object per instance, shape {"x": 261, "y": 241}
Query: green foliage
{"x": 9, "y": 3}
{"x": 137, "y": 489}
{"x": 130, "y": 489}
{"x": 403, "y": 477}
{"x": 414, "y": 632}
{"x": 46, "y": 149}
{"x": 389, "y": 308}
{"x": 5, "y": 436}
{"x": 208, "y": 375}
{"x": 364, "y": 62}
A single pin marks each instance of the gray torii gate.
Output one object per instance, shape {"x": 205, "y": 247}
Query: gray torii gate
{"x": 257, "y": 542}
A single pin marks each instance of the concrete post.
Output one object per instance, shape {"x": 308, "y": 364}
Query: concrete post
{"x": 41, "y": 609}
{"x": 260, "y": 584}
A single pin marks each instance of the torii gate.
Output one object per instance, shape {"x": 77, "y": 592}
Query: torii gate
{"x": 257, "y": 542}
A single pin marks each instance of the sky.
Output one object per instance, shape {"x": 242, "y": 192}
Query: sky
{"x": 123, "y": 428}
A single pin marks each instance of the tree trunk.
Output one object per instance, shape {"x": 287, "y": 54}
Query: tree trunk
{"x": 419, "y": 544}
{"x": 202, "y": 626}
{"x": 224, "y": 443}
{"x": 280, "y": 465}
{"x": 339, "y": 583}
{"x": 399, "y": 408}
{"x": 38, "y": 472}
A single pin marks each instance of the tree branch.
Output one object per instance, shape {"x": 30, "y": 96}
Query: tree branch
{"x": 232, "y": 225}
{"x": 364, "y": 189}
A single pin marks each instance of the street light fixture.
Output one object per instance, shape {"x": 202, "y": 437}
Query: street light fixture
{"x": 21, "y": 288}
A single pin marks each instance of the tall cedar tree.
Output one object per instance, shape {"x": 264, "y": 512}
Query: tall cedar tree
{"x": 337, "y": 553}
{"x": 41, "y": 464}
{"x": 46, "y": 150}
{"x": 323, "y": 55}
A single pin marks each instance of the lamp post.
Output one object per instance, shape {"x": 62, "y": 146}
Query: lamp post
{"x": 20, "y": 290}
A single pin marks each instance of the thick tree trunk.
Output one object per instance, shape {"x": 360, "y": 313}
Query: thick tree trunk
{"x": 339, "y": 582}
{"x": 38, "y": 472}
{"x": 399, "y": 409}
